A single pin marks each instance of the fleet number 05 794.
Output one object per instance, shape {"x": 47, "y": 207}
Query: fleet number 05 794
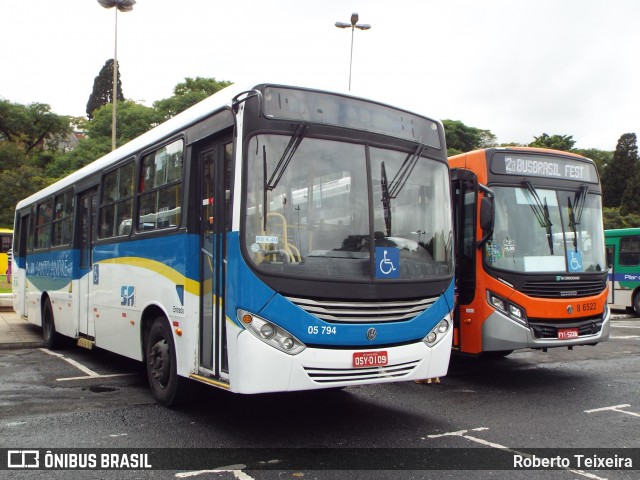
{"x": 323, "y": 330}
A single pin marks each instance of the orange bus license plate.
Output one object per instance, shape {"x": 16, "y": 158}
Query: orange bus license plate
{"x": 370, "y": 359}
{"x": 567, "y": 333}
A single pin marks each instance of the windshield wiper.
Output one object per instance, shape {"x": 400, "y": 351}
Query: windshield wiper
{"x": 541, "y": 212}
{"x": 386, "y": 198}
{"x": 400, "y": 180}
{"x": 287, "y": 155}
{"x": 575, "y": 212}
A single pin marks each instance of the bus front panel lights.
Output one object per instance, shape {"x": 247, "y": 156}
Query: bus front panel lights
{"x": 438, "y": 332}
{"x": 269, "y": 333}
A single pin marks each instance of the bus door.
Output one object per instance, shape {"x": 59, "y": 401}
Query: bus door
{"x": 464, "y": 189}
{"x": 214, "y": 159}
{"x": 20, "y": 251}
{"x": 611, "y": 255}
{"x": 87, "y": 204}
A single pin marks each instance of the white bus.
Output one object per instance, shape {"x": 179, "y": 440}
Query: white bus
{"x": 270, "y": 238}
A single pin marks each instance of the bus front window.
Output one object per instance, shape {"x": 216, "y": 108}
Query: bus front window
{"x": 317, "y": 217}
{"x": 542, "y": 230}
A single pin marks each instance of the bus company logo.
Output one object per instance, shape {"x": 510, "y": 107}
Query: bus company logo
{"x": 561, "y": 278}
{"x": 569, "y": 293}
{"x": 128, "y": 295}
{"x": 23, "y": 459}
{"x": 371, "y": 334}
{"x": 570, "y": 309}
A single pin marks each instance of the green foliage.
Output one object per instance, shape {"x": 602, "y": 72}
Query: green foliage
{"x": 612, "y": 218}
{"x": 133, "y": 119}
{"x": 624, "y": 165}
{"x": 31, "y": 127}
{"x": 462, "y": 138}
{"x": 187, "y": 94}
{"x": 16, "y": 184}
{"x": 102, "y": 93}
{"x": 86, "y": 152}
{"x": 556, "y": 142}
{"x": 602, "y": 158}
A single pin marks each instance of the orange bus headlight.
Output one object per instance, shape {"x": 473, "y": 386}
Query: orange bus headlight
{"x": 512, "y": 310}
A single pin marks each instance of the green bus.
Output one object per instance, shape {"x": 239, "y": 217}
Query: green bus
{"x": 623, "y": 258}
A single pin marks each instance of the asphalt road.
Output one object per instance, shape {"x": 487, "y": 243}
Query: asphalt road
{"x": 587, "y": 398}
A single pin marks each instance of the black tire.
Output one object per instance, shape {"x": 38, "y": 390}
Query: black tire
{"x": 636, "y": 303}
{"x": 160, "y": 358}
{"x": 51, "y": 338}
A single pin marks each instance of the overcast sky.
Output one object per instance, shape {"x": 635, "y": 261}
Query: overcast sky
{"x": 516, "y": 67}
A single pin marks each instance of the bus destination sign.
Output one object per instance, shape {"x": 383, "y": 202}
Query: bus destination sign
{"x": 544, "y": 166}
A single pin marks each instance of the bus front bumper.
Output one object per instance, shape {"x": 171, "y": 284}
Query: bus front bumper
{"x": 500, "y": 333}
{"x": 261, "y": 368}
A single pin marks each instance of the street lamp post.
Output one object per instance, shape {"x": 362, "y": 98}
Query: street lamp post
{"x": 123, "y": 6}
{"x": 354, "y": 24}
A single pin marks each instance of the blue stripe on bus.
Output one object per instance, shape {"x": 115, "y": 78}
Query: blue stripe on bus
{"x": 625, "y": 277}
{"x": 253, "y": 295}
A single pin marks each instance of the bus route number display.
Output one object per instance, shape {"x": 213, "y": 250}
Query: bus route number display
{"x": 543, "y": 166}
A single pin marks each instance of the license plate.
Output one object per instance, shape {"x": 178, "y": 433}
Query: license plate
{"x": 567, "y": 333}
{"x": 370, "y": 359}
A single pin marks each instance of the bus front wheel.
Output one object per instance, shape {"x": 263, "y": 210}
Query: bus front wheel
{"x": 49, "y": 335}
{"x": 160, "y": 356}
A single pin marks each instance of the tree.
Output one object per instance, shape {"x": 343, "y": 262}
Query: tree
{"x": 134, "y": 119}
{"x": 623, "y": 166}
{"x": 16, "y": 184}
{"x": 462, "y": 138}
{"x": 602, "y": 158}
{"x": 102, "y": 93}
{"x": 186, "y": 94}
{"x": 630, "y": 201}
{"x": 556, "y": 142}
{"x": 32, "y": 127}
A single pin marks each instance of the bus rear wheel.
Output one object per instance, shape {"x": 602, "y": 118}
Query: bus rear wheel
{"x": 636, "y": 303}
{"x": 160, "y": 357}
{"x": 49, "y": 335}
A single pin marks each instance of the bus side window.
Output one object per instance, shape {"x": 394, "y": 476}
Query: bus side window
{"x": 630, "y": 251}
{"x": 610, "y": 256}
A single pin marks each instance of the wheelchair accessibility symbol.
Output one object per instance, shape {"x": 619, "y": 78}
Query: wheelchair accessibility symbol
{"x": 575, "y": 261}
{"x": 387, "y": 262}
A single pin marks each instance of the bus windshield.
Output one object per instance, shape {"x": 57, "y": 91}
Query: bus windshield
{"x": 545, "y": 230}
{"x": 320, "y": 202}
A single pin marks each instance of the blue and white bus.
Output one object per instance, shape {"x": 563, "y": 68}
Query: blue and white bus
{"x": 270, "y": 238}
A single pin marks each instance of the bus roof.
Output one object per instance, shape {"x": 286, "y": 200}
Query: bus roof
{"x": 621, "y": 232}
{"x": 216, "y": 102}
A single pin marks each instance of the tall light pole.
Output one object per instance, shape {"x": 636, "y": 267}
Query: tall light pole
{"x": 123, "y": 6}
{"x": 354, "y": 24}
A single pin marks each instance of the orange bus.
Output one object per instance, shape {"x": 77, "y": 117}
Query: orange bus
{"x": 531, "y": 268}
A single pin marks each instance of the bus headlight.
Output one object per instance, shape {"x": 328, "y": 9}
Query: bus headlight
{"x": 270, "y": 333}
{"x": 510, "y": 309}
{"x": 438, "y": 332}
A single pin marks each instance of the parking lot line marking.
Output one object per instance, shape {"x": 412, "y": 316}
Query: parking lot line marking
{"x": 90, "y": 373}
{"x": 235, "y": 469}
{"x": 615, "y": 408}
{"x": 625, "y": 337}
{"x": 463, "y": 434}
{"x": 91, "y": 377}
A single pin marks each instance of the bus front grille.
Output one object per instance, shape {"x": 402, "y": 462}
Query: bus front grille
{"x": 570, "y": 289}
{"x": 339, "y": 375}
{"x": 546, "y": 329}
{"x": 340, "y": 311}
